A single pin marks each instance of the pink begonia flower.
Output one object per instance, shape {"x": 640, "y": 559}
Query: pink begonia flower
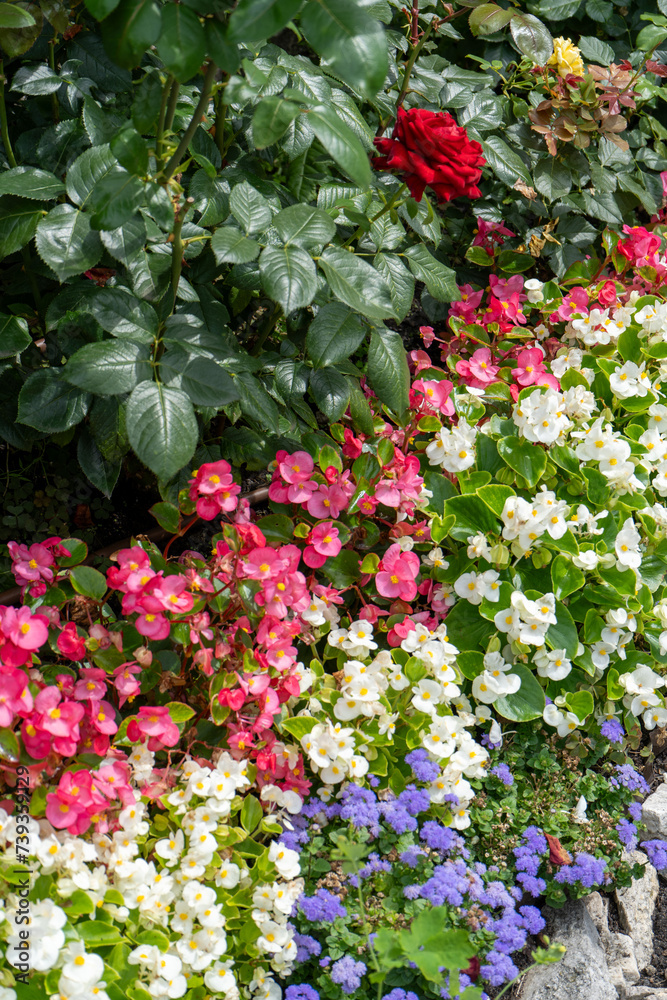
{"x": 398, "y": 571}
{"x": 281, "y": 656}
{"x": 92, "y": 684}
{"x": 323, "y": 543}
{"x": 301, "y": 492}
{"x": 640, "y": 247}
{"x": 529, "y": 366}
{"x": 167, "y": 594}
{"x": 296, "y": 468}
{"x": 103, "y": 717}
{"x": 436, "y": 393}
{"x": 488, "y": 233}
{"x": 155, "y": 723}
{"x": 420, "y": 359}
{"x": 327, "y": 502}
{"x": 254, "y": 684}
{"x": 153, "y": 626}
{"x": 233, "y": 698}
{"x": 129, "y": 561}
{"x": 58, "y": 717}
{"x": 262, "y": 564}
{"x": 576, "y": 301}
{"x": 125, "y": 682}
{"x": 353, "y": 445}
{"x": 113, "y": 781}
{"x": 15, "y": 696}
{"x": 31, "y": 564}
{"x": 214, "y": 489}
{"x": 70, "y": 643}
{"x": 465, "y": 308}
{"x": 23, "y": 629}
{"x": 35, "y": 739}
{"x": 480, "y": 370}
{"x": 367, "y": 504}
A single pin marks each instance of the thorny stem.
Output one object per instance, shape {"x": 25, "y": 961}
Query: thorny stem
{"x": 52, "y": 64}
{"x": 171, "y": 106}
{"x": 385, "y": 208}
{"x": 265, "y": 330}
{"x": 414, "y": 27}
{"x": 177, "y": 249}
{"x": 199, "y": 113}
{"x": 220, "y": 115}
{"x": 160, "y": 123}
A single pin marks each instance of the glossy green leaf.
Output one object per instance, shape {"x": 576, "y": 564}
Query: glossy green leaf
{"x": 14, "y": 335}
{"x": 334, "y": 334}
{"x": 130, "y": 30}
{"x": 101, "y": 472}
{"x": 566, "y": 579}
{"x": 289, "y": 277}
{"x": 341, "y": 144}
{"x": 387, "y": 369}
{"x": 271, "y": 120}
{"x": 356, "y": 283}
{"x": 115, "y": 199}
{"x": 439, "y": 279}
{"x": 167, "y": 516}
{"x": 65, "y": 241}
{"x": 87, "y": 171}
{"x": 48, "y": 403}
{"x": 29, "y": 182}
{"x": 351, "y": 40}
{"x": 253, "y": 20}
{"x": 305, "y": 226}
{"x": 531, "y": 37}
{"x": 182, "y": 42}
{"x": 162, "y": 427}
{"x": 331, "y": 392}
{"x": 527, "y": 703}
{"x": 250, "y": 209}
{"x": 527, "y": 459}
{"x": 399, "y": 279}
{"x": 101, "y": 8}
{"x": 18, "y": 221}
{"x": 208, "y": 384}
{"x": 13, "y": 16}
{"x": 230, "y": 246}
{"x": 109, "y": 367}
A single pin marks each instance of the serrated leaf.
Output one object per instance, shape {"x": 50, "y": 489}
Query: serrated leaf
{"x": 29, "y": 182}
{"x": 595, "y": 49}
{"x": 289, "y": 277}
{"x": 182, "y": 42}
{"x": 130, "y": 30}
{"x": 87, "y": 171}
{"x": 334, "y": 334}
{"x": 330, "y": 391}
{"x": 18, "y": 221}
{"x": 48, "y": 403}
{"x": 305, "y": 226}
{"x": 351, "y": 39}
{"x": 341, "y": 143}
{"x": 505, "y": 162}
{"x": 271, "y": 120}
{"x": 101, "y": 472}
{"x": 387, "y": 370}
{"x": 250, "y": 208}
{"x": 13, "y": 16}
{"x": 208, "y": 384}
{"x": 36, "y": 81}
{"x": 16, "y": 41}
{"x": 488, "y": 18}
{"x": 253, "y": 20}
{"x": 162, "y": 428}
{"x": 122, "y": 314}
{"x": 399, "y": 279}
{"x": 65, "y": 241}
{"x": 356, "y": 283}
{"x": 211, "y": 195}
{"x": 125, "y": 241}
{"x": 531, "y": 37}
{"x": 14, "y": 335}
{"x": 439, "y": 279}
{"x": 109, "y": 367}
{"x": 256, "y": 403}
{"x": 115, "y": 199}
{"x": 230, "y": 246}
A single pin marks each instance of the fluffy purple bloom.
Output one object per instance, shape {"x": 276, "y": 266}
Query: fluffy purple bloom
{"x": 532, "y": 885}
{"x": 627, "y": 834}
{"x": 440, "y": 838}
{"x": 586, "y": 869}
{"x": 533, "y": 920}
{"x": 361, "y": 808}
{"x": 612, "y": 730}
{"x": 399, "y": 994}
{"x": 635, "y": 811}
{"x": 503, "y": 773}
{"x": 398, "y": 818}
{"x": 498, "y": 968}
{"x": 323, "y": 905}
{"x": 424, "y": 769}
{"x": 486, "y": 742}
{"x": 630, "y": 779}
{"x": 302, "y": 992}
{"x": 411, "y": 855}
{"x": 414, "y": 800}
{"x": 306, "y": 947}
{"x": 657, "y": 853}
{"x": 372, "y": 866}
{"x": 535, "y": 839}
{"x": 347, "y": 973}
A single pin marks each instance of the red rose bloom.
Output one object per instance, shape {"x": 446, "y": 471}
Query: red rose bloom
{"x": 430, "y": 150}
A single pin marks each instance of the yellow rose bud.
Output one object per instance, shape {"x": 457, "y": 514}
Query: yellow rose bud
{"x": 566, "y": 58}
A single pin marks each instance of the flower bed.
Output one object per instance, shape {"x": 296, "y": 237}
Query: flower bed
{"x": 394, "y": 712}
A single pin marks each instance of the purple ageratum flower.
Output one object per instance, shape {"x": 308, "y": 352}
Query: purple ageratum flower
{"x": 627, "y": 834}
{"x": 423, "y": 768}
{"x": 398, "y": 818}
{"x": 360, "y": 806}
{"x": 414, "y": 800}
{"x": 322, "y": 906}
{"x": 486, "y": 742}
{"x": 613, "y": 731}
{"x": 498, "y": 968}
{"x": 347, "y": 973}
{"x": 635, "y": 811}
{"x": 585, "y": 869}
{"x": 302, "y": 992}
{"x": 306, "y": 947}
{"x": 438, "y": 837}
{"x": 657, "y": 853}
{"x": 399, "y": 994}
{"x": 533, "y": 920}
{"x": 372, "y": 866}
{"x": 411, "y": 855}
{"x": 503, "y": 773}
{"x": 630, "y": 779}
{"x": 535, "y": 887}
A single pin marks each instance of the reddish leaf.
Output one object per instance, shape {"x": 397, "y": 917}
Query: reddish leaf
{"x": 557, "y": 853}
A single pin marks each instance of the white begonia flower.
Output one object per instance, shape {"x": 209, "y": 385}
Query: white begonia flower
{"x": 627, "y": 546}
{"x": 171, "y": 848}
{"x": 427, "y": 696}
{"x": 285, "y": 860}
{"x": 398, "y": 681}
{"x": 360, "y": 633}
{"x": 579, "y": 814}
{"x": 337, "y": 636}
{"x": 453, "y": 449}
{"x": 533, "y": 288}
{"x": 478, "y": 547}
{"x": 600, "y": 653}
{"x": 314, "y": 613}
{"x": 641, "y": 702}
{"x": 553, "y": 664}
{"x": 80, "y": 969}
{"x": 656, "y": 716}
{"x": 568, "y": 725}
{"x": 469, "y": 760}
{"x": 435, "y": 559}
{"x": 220, "y": 979}
{"x": 643, "y": 680}
{"x": 565, "y": 359}
{"x": 630, "y": 380}
{"x": 358, "y": 766}
{"x": 460, "y": 818}
{"x": 586, "y": 560}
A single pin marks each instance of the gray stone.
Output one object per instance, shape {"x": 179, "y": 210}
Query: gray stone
{"x": 583, "y": 973}
{"x": 643, "y": 993}
{"x": 654, "y": 812}
{"x": 598, "y": 910}
{"x": 636, "y": 905}
{"x": 621, "y": 960}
